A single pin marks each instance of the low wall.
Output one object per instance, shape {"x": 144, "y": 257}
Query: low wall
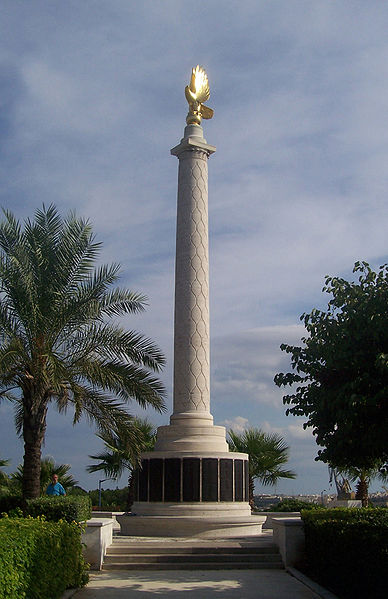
{"x": 270, "y": 515}
{"x": 97, "y": 537}
{"x": 288, "y": 535}
{"x": 108, "y": 514}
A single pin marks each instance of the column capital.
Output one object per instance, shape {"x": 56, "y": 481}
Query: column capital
{"x": 192, "y": 144}
{"x": 193, "y": 140}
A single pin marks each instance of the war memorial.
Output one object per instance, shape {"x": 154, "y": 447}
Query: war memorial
{"x": 191, "y": 484}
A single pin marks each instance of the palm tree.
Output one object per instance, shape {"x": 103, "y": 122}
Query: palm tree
{"x": 267, "y": 454}
{"x": 4, "y": 478}
{"x": 363, "y": 478}
{"x": 123, "y": 452}
{"x": 58, "y": 343}
{"x": 48, "y": 467}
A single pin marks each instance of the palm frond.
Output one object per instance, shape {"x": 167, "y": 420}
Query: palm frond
{"x": 121, "y": 301}
{"x": 99, "y": 408}
{"x": 10, "y": 232}
{"x": 110, "y": 341}
{"x": 267, "y": 453}
{"x": 123, "y": 449}
{"x": 126, "y": 381}
{"x": 48, "y": 467}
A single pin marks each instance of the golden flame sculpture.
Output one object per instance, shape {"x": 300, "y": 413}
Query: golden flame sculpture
{"x": 198, "y": 92}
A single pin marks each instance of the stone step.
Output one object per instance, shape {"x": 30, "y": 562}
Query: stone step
{"x": 190, "y": 558}
{"x": 195, "y": 566}
{"x": 188, "y": 550}
{"x": 127, "y": 554}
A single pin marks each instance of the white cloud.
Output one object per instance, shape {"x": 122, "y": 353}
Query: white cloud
{"x": 238, "y": 424}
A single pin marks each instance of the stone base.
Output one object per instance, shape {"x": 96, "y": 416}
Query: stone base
{"x": 195, "y": 526}
{"x": 202, "y": 509}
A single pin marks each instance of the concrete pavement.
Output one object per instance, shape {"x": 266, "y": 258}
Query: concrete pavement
{"x": 225, "y": 584}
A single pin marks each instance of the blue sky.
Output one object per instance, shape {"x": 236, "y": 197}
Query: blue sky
{"x": 92, "y": 100}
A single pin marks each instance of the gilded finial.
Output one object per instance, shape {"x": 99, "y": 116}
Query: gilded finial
{"x": 196, "y": 93}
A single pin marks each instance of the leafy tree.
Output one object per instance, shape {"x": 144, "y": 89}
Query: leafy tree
{"x": 123, "y": 451}
{"x": 48, "y": 467}
{"x": 76, "y": 490}
{"x": 58, "y": 341}
{"x": 267, "y": 454}
{"x": 4, "y": 478}
{"x": 111, "y": 499}
{"x": 342, "y": 371}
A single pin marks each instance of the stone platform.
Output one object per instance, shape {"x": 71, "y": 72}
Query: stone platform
{"x": 200, "y": 526}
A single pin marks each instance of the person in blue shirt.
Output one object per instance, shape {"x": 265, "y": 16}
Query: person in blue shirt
{"x": 55, "y": 488}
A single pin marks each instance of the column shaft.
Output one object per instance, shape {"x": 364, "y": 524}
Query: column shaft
{"x": 191, "y": 326}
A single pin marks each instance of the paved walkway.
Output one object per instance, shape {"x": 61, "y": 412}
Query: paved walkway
{"x": 221, "y": 584}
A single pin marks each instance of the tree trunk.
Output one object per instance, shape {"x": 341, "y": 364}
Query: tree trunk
{"x": 34, "y": 428}
{"x": 362, "y": 490}
{"x": 251, "y": 492}
{"x": 131, "y": 490}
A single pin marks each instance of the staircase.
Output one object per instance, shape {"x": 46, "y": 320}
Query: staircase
{"x": 127, "y": 553}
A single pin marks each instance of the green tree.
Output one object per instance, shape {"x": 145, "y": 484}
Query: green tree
{"x": 48, "y": 467}
{"x": 58, "y": 340}
{"x": 123, "y": 451}
{"x": 267, "y": 454}
{"x": 341, "y": 371}
{"x": 4, "y": 478}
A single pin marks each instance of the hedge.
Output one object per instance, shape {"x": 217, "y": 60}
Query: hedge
{"x": 76, "y": 508}
{"x": 10, "y": 502}
{"x": 39, "y": 559}
{"x": 362, "y": 514}
{"x": 293, "y": 505}
{"x": 347, "y": 550}
{"x": 71, "y": 508}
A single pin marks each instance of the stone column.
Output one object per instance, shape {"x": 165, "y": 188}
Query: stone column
{"x": 191, "y": 418}
{"x": 191, "y": 326}
{"x": 191, "y": 476}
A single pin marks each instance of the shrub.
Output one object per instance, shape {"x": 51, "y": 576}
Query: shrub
{"x": 39, "y": 559}
{"x": 347, "y": 550}
{"x": 10, "y": 502}
{"x": 362, "y": 514}
{"x": 294, "y": 505}
{"x": 76, "y": 490}
{"x": 70, "y": 508}
{"x": 111, "y": 499}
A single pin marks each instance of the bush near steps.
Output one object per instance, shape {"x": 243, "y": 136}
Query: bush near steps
{"x": 67, "y": 508}
{"x": 39, "y": 559}
{"x": 347, "y": 550}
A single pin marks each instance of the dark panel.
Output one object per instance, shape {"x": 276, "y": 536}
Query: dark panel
{"x": 172, "y": 479}
{"x": 135, "y": 487}
{"x": 238, "y": 480}
{"x": 209, "y": 479}
{"x": 226, "y": 480}
{"x": 191, "y": 479}
{"x": 156, "y": 479}
{"x": 143, "y": 481}
{"x": 246, "y": 478}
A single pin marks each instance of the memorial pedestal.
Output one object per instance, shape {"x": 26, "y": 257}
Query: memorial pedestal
{"x": 191, "y": 484}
